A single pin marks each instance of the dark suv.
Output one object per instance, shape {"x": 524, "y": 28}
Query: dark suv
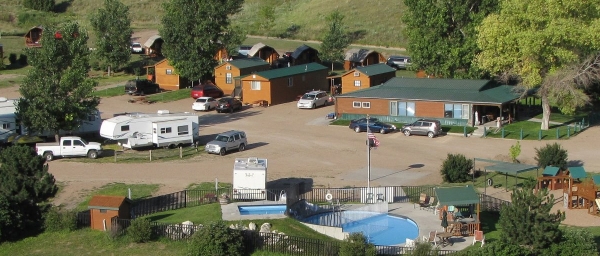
{"x": 141, "y": 87}
{"x": 228, "y": 104}
{"x": 429, "y": 127}
{"x": 398, "y": 62}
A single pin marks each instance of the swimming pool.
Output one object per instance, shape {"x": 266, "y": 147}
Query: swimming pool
{"x": 379, "y": 228}
{"x": 261, "y": 209}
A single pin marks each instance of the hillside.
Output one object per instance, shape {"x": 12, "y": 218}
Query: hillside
{"x": 372, "y": 22}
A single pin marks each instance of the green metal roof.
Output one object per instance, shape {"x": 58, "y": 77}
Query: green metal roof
{"x": 457, "y": 195}
{"x": 375, "y": 69}
{"x": 596, "y": 179}
{"x": 511, "y": 168}
{"x": 294, "y": 70}
{"x": 577, "y": 172}
{"x": 550, "y": 171}
{"x": 246, "y": 63}
{"x": 433, "y": 89}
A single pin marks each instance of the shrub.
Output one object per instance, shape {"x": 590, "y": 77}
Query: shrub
{"x": 216, "y": 239}
{"x": 456, "y": 168}
{"x": 140, "y": 230}
{"x": 357, "y": 245}
{"x": 574, "y": 242}
{"x": 56, "y": 219}
{"x": 40, "y": 5}
{"x": 423, "y": 249}
{"x": 23, "y": 60}
{"x": 515, "y": 151}
{"x": 551, "y": 155}
{"x": 12, "y": 58}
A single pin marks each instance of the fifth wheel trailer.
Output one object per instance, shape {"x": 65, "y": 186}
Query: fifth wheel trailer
{"x": 163, "y": 129}
{"x": 250, "y": 179}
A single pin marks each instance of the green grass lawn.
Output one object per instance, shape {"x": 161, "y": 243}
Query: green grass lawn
{"x": 138, "y": 191}
{"x": 170, "y": 96}
{"x": 140, "y": 156}
{"x": 208, "y": 186}
{"x": 111, "y": 92}
{"x": 531, "y": 131}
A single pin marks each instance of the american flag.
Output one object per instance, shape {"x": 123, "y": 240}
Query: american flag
{"x": 370, "y": 136}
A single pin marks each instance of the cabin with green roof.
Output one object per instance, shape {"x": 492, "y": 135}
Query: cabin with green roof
{"x": 366, "y": 77}
{"x": 452, "y": 101}
{"x": 283, "y": 85}
{"x": 227, "y": 74}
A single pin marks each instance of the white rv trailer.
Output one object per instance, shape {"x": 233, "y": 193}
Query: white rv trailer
{"x": 9, "y": 125}
{"x": 163, "y": 129}
{"x": 250, "y": 179}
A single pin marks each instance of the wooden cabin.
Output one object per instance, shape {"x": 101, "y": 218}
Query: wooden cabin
{"x": 366, "y": 77}
{"x": 361, "y": 57}
{"x": 34, "y": 36}
{"x": 227, "y": 74}
{"x": 303, "y": 55}
{"x": 154, "y": 46}
{"x": 265, "y": 52}
{"x": 165, "y": 76}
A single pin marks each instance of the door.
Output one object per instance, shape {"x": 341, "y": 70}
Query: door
{"x": 67, "y": 148}
{"x": 79, "y": 148}
{"x": 418, "y": 128}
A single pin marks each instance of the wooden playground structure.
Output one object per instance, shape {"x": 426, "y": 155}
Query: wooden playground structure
{"x": 579, "y": 191}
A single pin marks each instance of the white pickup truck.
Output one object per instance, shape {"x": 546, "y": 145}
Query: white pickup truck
{"x": 68, "y": 147}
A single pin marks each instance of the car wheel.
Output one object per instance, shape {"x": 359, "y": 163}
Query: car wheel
{"x": 222, "y": 152}
{"x": 93, "y": 154}
{"x": 382, "y": 131}
{"x": 406, "y": 132}
{"x": 49, "y": 157}
{"x": 314, "y": 106}
{"x": 357, "y": 129}
{"x": 242, "y": 147}
{"x": 430, "y": 134}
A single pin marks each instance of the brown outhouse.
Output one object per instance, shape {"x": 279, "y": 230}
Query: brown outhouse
{"x": 283, "y": 84}
{"x": 165, "y": 76}
{"x": 227, "y": 75}
{"x": 265, "y": 52}
{"x": 33, "y": 36}
{"x": 367, "y": 76}
{"x": 304, "y": 54}
{"x": 361, "y": 57}
{"x": 104, "y": 208}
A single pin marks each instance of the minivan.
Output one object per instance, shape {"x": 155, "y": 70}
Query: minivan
{"x": 313, "y": 99}
{"x": 206, "y": 90}
{"x": 429, "y": 127}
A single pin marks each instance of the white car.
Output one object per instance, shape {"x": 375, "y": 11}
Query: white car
{"x": 204, "y": 104}
{"x": 313, "y": 99}
{"x": 137, "y": 48}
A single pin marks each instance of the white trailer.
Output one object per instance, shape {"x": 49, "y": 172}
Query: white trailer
{"x": 163, "y": 129}
{"x": 9, "y": 125}
{"x": 250, "y": 179}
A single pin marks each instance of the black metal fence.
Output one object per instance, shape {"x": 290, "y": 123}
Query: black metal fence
{"x": 392, "y": 194}
{"x": 492, "y": 204}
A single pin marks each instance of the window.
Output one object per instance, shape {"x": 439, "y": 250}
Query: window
{"x": 402, "y": 108}
{"x": 228, "y": 78}
{"x": 102, "y": 210}
{"x": 290, "y": 81}
{"x": 356, "y": 104}
{"x": 91, "y": 118}
{"x": 77, "y": 143}
{"x": 255, "y": 85}
{"x": 182, "y": 130}
{"x": 236, "y": 136}
{"x": 228, "y": 67}
{"x": 356, "y": 73}
{"x": 243, "y": 135}
{"x": 357, "y": 83}
{"x": 366, "y": 105}
{"x": 5, "y": 126}
{"x": 165, "y": 130}
{"x": 169, "y": 71}
{"x": 125, "y": 128}
{"x": 453, "y": 111}
{"x": 66, "y": 143}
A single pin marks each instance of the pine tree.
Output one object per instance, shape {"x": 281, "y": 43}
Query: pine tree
{"x": 335, "y": 41}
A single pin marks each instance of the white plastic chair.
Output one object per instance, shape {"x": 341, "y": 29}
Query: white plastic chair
{"x": 479, "y": 237}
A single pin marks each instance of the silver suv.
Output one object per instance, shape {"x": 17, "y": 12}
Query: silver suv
{"x": 398, "y": 62}
{"x": 429, "y": 127}
{"x": 313, "y": 99}
{"x": 227, "y": 141}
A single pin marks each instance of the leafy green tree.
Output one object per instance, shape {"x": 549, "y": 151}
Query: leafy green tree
{"x": 356, "y": 244}
{"x": 528, "y": 221}
{"x": 266, "y": 17}
{"x": 140, "y": 230}
{"x": 57, "y": 94}
{"x": 216, "y": 239}
{"x": 192, "y": 35}
{"x": 335, "y": 41}
{"x": 456, "y": 168}
{"x": 40, "y": 5}
{"x": 515, "y": 151}
{"x": 237, "y": 35}
{"x": 575, "y": 242}
{"x": 442, "y": 35}
{"x": 112, "y": 27}
{"x": 551, "y": 155}
{"x": 25, "y": 184}
{"x": 530, "y": 40}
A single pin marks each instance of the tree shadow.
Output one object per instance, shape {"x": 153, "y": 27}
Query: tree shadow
{"x": 63, "y": 6}
{"x": 159, "y": 217}
{"x": 356, "y": 35}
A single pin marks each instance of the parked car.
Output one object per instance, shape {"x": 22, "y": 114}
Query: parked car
{"x": 429, "y": 127}
{"x": 68, "y": 147}
{"x": 227, "y": 141}
{"x": 141, "y": 87}
{"x": 204, "y": 104}
{"x": 313, "y": 99}
{"x": 364, "y": 120}
{"x": 206, "y": 90}
{"x": 137, "y": 48}
{"x": 376, "y": 126}
{"x": 228, "y": 104}
{"x": 398, "y": 62}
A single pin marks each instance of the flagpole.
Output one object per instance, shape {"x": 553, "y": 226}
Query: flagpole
{"x": 368, "y": 160}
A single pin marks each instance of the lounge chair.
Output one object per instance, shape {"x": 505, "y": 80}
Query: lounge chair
{"x": 479, "y": 237}
{"x": 422, "y": 199}
{"x": 431, "y": 238}
{"x": 432, "y": 204}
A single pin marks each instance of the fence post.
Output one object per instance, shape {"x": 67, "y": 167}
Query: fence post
{"x": 465, "y": 131}
{"x": 568, "y": 131}
{"x": 115, "y": 156}
{"x": 484, "y": 131}
{"x": 557, "y": 133}
{"x": 540, "y": 135}
{"x": 503, "y": 132}
{"x": 180, "y": 152}
{"x": 150, "y": 155}
{"x": 521, "y": 134}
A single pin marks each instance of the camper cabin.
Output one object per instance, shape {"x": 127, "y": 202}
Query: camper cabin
{"x": 33, "y": 36}
{"x": 361, "y": 57}
{"x": 154, "y": 46}
{"x": 250, "y": 178}
{"x": 162, "y": 129}
{"x": 265, "y": 52}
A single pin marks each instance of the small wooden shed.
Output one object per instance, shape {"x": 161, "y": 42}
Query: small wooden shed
{"x": 265, "y": 52}
{"x": 362, "y": 57}
{"x": 33, "y": 36}
{"x": 164, "y": 74}
{"x": 104, "y": 208}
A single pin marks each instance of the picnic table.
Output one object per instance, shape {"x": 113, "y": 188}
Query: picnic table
{"x": 445, "y": 238}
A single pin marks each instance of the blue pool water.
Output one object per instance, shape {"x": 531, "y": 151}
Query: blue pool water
{"x": 261, "y": 209}
{"x": 380, "y": 229}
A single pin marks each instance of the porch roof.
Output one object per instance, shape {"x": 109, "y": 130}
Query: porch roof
{"x": 577, "y": 172}
{"x": 457, "y": 195}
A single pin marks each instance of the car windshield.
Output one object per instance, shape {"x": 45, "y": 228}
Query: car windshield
{"x": 308, "y": 97}
{"x": 84, "y": 142}
{"x": 137, "y": 45}
{"x": 201, "y": 100}
{"x": 223, "y": 101}
{"x": 222, "y": 138}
